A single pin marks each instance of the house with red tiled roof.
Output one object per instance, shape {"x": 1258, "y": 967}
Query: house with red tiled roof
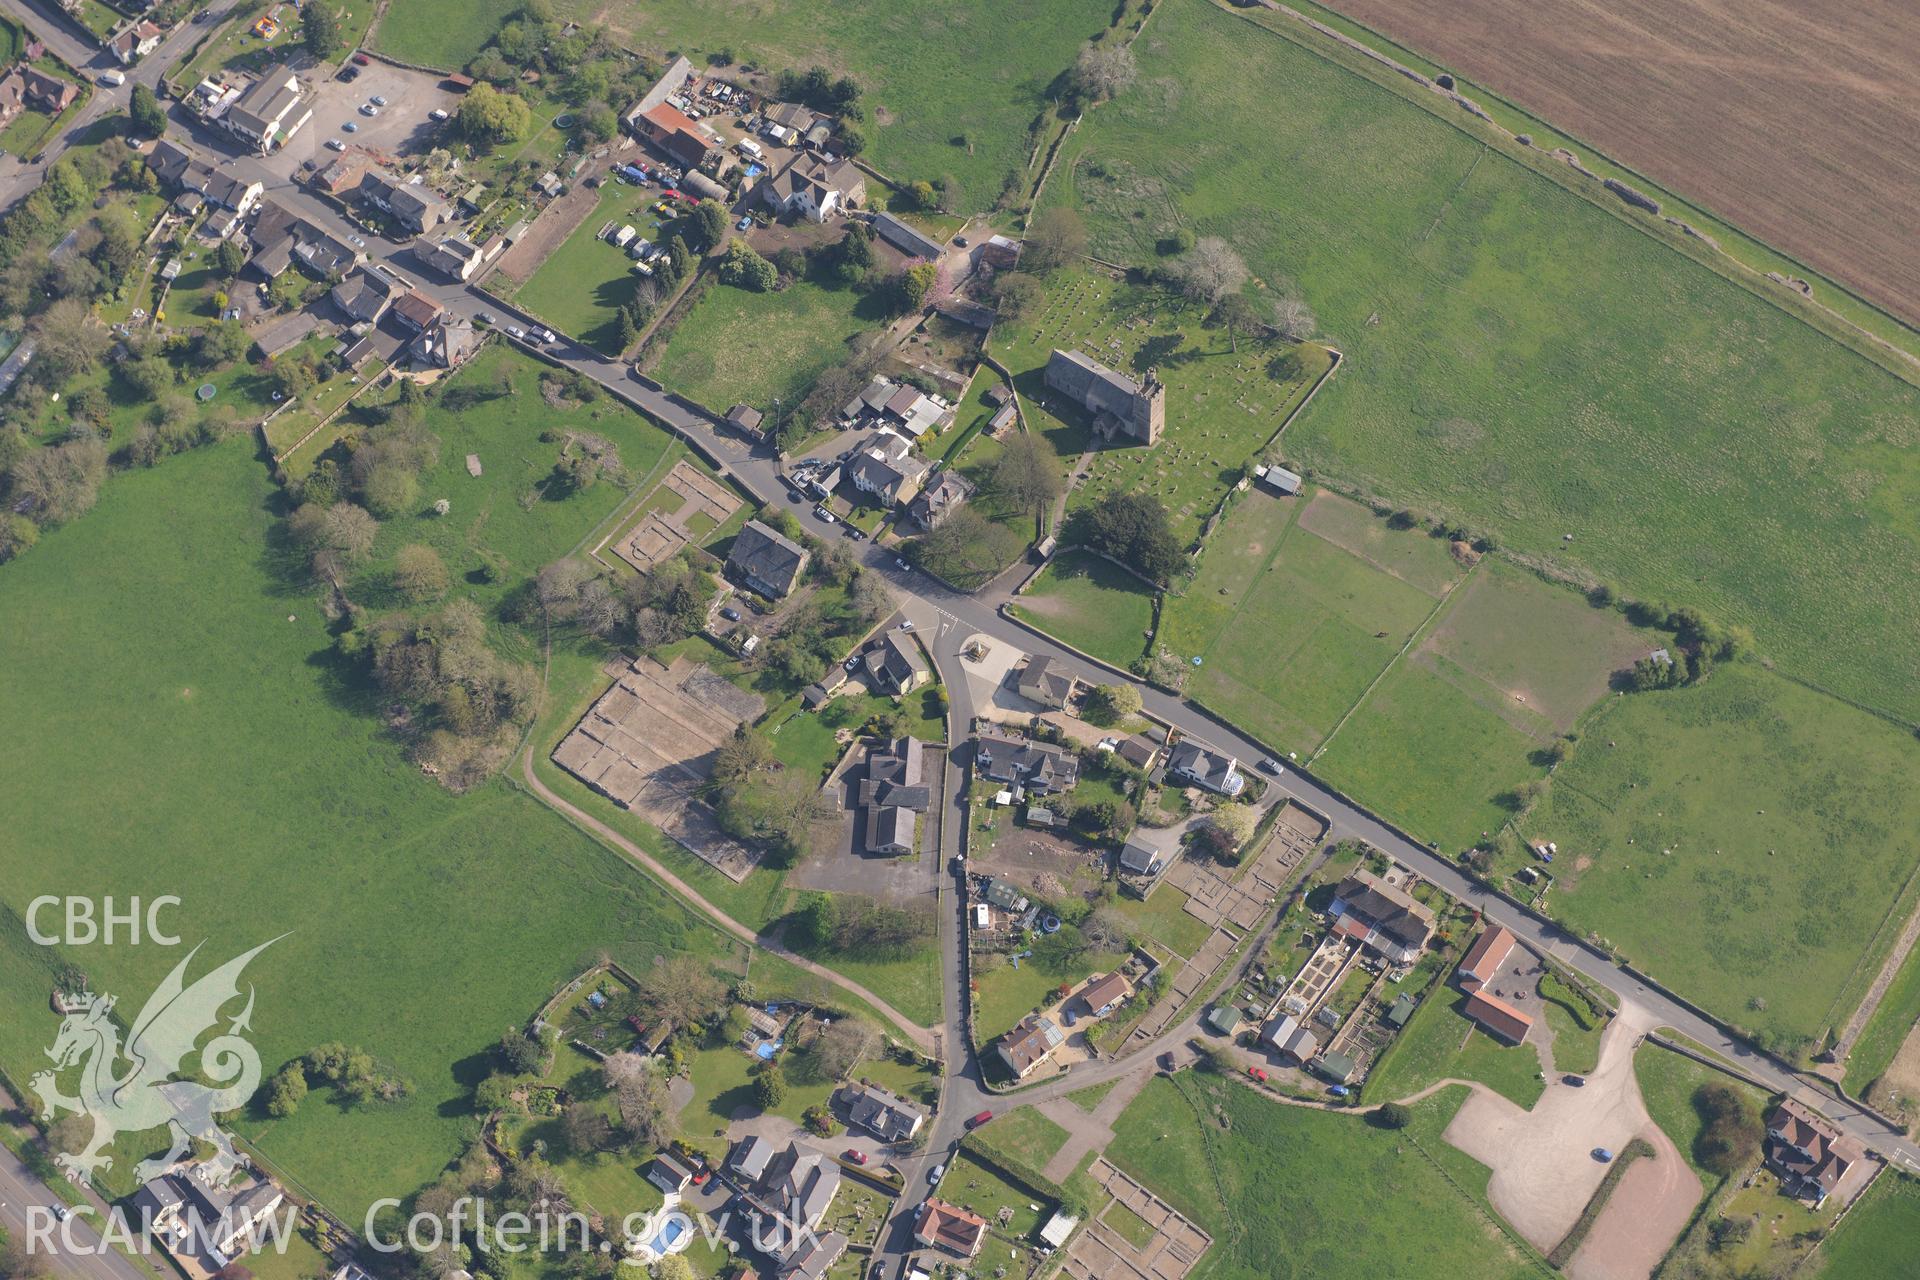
{"x": 1484, "y": 958}
{"x": 1498, "y": 1018}
{"x": 674, "y": 132}
{"x": 940, "y": 1225}
{"x": 1810, "y": 1154}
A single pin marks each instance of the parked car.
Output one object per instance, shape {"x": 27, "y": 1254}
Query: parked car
{"x": 730, "y": 613}
{"x": 858, "y": 1157}
{"x": 1272, "y": 766}
{"x": 743, "y": 224}
{"x": 438, "y": 113}
{"x": 61, "y": 1213}
{"x": 1603, "y": 1155}
{"x": 485, "y": 317}
{"x": 1168, "y": 1063}
{"x": 1258, "y": 1073}
{"x": 907, "y": 625}
{"x": 851, "y": 664}
{"x": 515, "y": 331}
{"x": 356, "y": 242}
{"x": 350, "y": 127}
{"x": 823, "y": 515}
{"x": 979, "y": 1120}
{"x": 1578, "y": 1082}
{"x": 960, "y": 241}
{"x": 902, "y": 565}
{"x": 362, "y": 59}
{"x": 334, "y": 144}
{"x": 379, "y": 101}
{"x": 700, "y": 1178}
{"x": 936, "y": 1173}
{"x": 368, "y": 109}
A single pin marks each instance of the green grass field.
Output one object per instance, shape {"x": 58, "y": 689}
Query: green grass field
{"x": 1887, "y": 1029}
{"x": 1091, "y": 604}
{"x": 1164, "y": 918}
{"x": 1668, "y": 1082}
{"x": 741, "y": 347}
{"x": 1441, "y": 1042}
{"x": 1875, "y": 1241}
{"x": 1792, "y": 814}
{"x": 1292, "y": 627}
{"x": 1007, "y": 994}
{"x": 948, "y": 90}
{"x": 1287, "y": 1191}
{"x": 1025, "y": 1135}
{"x": 1223, "y": 406}
{"x": 1525, "y": 360}
{"x": 582, "y": 285}
{"x": 440, "y": 34}
{"x": 236, "y": 765}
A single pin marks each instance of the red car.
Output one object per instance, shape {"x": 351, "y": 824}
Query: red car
{"x": 858, "y": 1157}
{"x": 980, "y": 1119}
{"x": 362, "y": 59}
{"x": 700, "y": 1178}
{"x": 1258, "y": 1074}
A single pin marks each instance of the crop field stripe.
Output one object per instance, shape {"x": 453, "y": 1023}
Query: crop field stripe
{"x": 1892, "y": 357}
{"x": 1419, "y": 633}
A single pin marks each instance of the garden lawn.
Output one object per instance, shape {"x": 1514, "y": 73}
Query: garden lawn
{"x": 1288, "y": 1191}
{"x": 1292, "y": 628}
{"x": 509, "y": 512}
{"x": 583, "y": 284}
{"x": 1525, "y": 360}
{"x": 1439, "y": 1043}
{"x": 1007, "y": 994}
{"x": 974, "y": 1185}
{"x": 1091, "y": 604}
{"x": 272, "y": 801}
{"x": 1746, "y": 840}
{"x": 441, "y": 33}
{"x": 1222, "y": 405}
{"x": 1024, "y": 1135}
{"x": 948, "y": 89}
{"x": 1164, "y": 917}
{"x": 1875, "y": 1240}
{"x": 741, "y": 347}
{"x": 1668, "y": 1082}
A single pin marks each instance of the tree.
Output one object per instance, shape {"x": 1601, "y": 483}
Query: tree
{"x": 1730, "y": 1140}
{"x": 1057, "y": 238}
{"x": 521, "y": 1054}
{"x": 1237, "y": 311}
{"x": 625, "y": 331}
{"x": 343, "y": 530}
{"x": 770, "y": 1087}
{"x": 148, "y": 117}
{"x": 56, "y": 484}
{"x": 741, "y": 758}
{"x": 1108, "y": 928}
{"x": 585, "y": 1128}
{"x": 1109, "y": 704}
{"x": 1393, "y": 1115}
{"x": 1017, "y": 295}
{"x": 320, "y": 30}
{"x": 853, "y": 256}
{"x": 390, "y": 489}
{"x": 231, "y": 256}
{"x": 1027, "y": 474}
{"x": 915, "y": 283}
{"x": 673, "y": 1267}
{"x": 709, "y": 224}
{"x": 597, "y": 122}
{"x": 742, "y": 268}
{"x": 1293, "y": 319}
{"x": 286, "y": 1090}
{"x": 1134, "y": 529}
{"x": 419, "y": 573}
{"x": 843, "y": 1046}
{"x": 646, "y": 1109}
{"x": 68, "y": 342}
{"x": 681, "y": 991}
{"x": 292, "y": 378}
{"x": 488, "y": 116}
{"x": 1103, "y": 72}
{"x": 17, "y": 535}
{"x": 221, "y": 344}
{"x": 1213, "y": 270}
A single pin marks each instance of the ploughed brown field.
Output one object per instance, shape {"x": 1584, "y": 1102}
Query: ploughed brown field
{"x": 1795, "y": 121}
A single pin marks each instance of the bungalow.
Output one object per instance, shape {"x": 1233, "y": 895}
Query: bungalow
{"x": 1104, "y": 995}
{"x": 766, "y": 561}
{"x": 670, "y": 1173}
{"x": 949, "y": 1228}
{"x": 886, "y": 1116}
{"x": 1042, "y": 681}
{"x": 934, "y": 504}
{"x": 1194, "y": 762}
{"x": 1029, "y": 1045}
{"x": 1040, "y": 767}
{"x": 1484, "y": 958}
{"x": 895, "y": 666}
{"x": 1381, "y": 917}
{"x": 270, "y": 111}
{"x": 1811, "y": 1156}
{"x": 1498, "y": 1018}
{"x": 815, "y": 187}
{"x": 135, "y": 42}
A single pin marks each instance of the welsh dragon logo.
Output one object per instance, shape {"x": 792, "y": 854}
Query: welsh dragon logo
{"x": 145, "y": 1095}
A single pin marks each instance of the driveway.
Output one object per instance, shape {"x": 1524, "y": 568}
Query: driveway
{"x": 1542, "y": 1160}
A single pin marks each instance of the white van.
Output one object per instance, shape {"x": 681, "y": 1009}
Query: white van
{"x": 749, "y": 148}
{"x": 113, "y": 79}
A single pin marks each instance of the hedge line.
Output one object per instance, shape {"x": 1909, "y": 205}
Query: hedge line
{"x": 1563, "y": 1252}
